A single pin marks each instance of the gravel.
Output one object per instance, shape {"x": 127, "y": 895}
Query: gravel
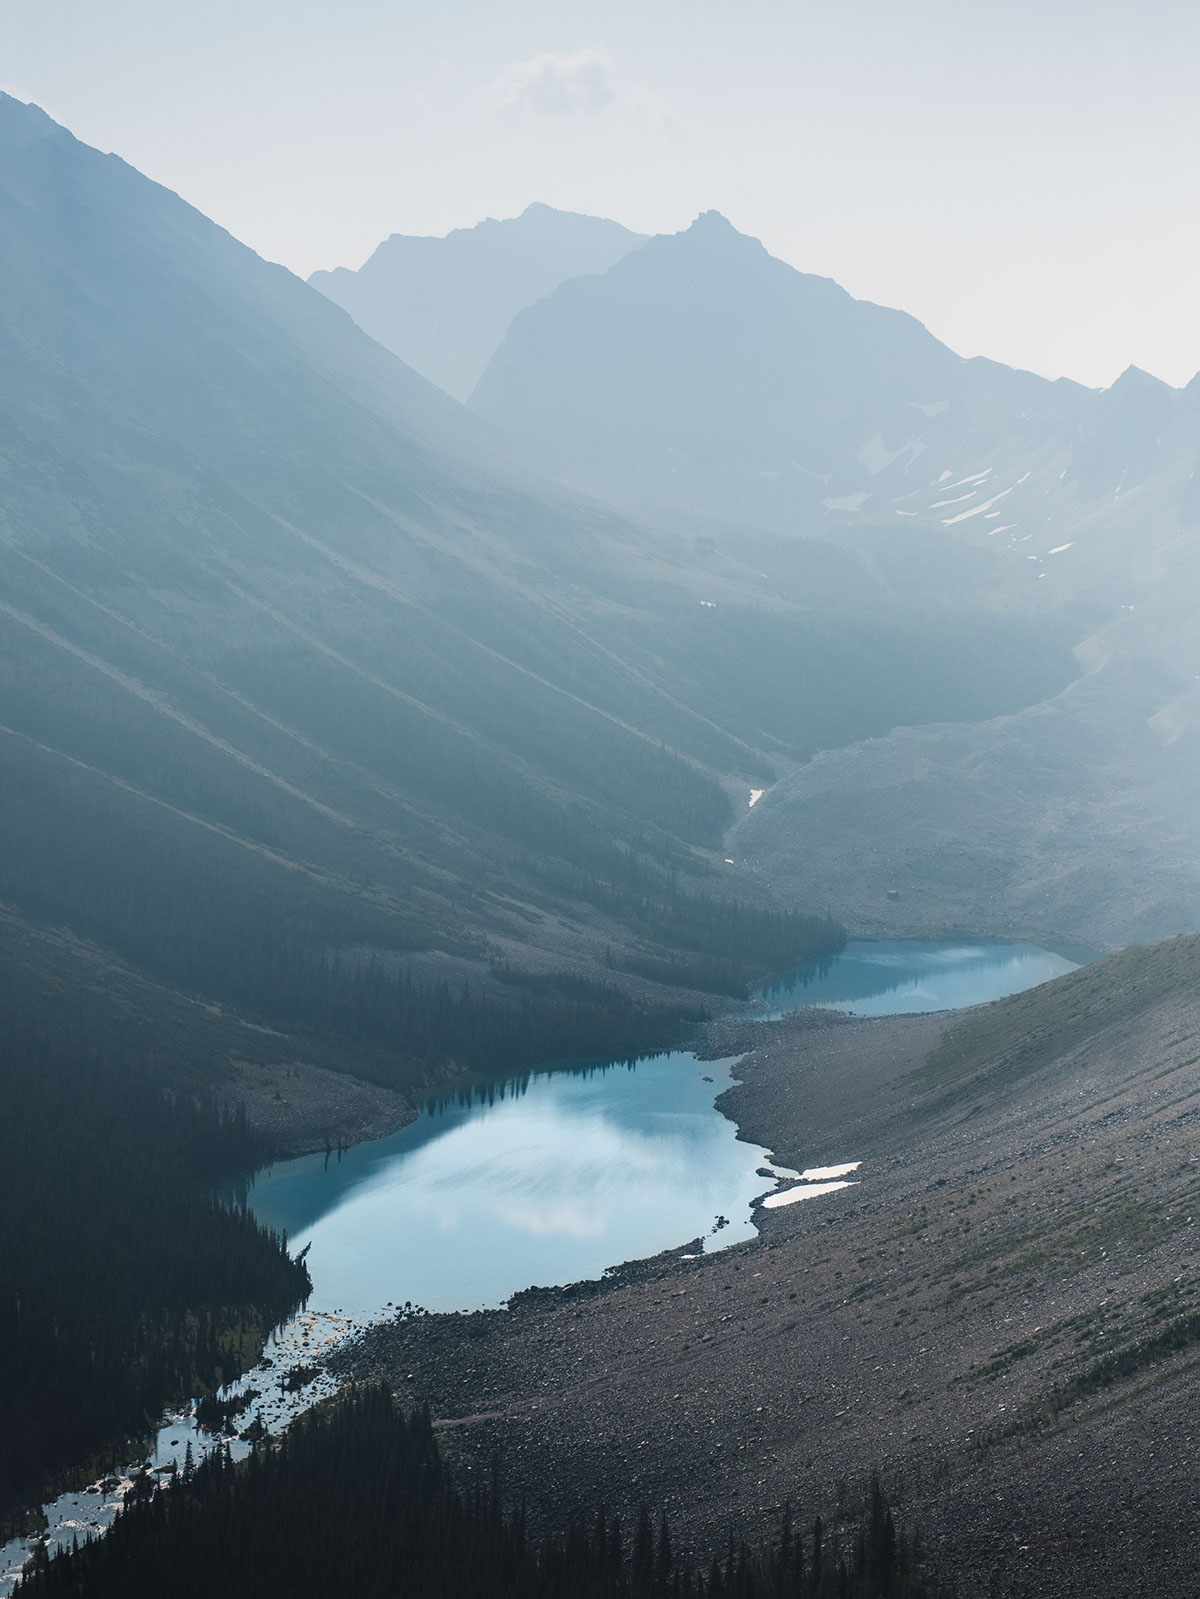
{"x": 920, "y": 1322}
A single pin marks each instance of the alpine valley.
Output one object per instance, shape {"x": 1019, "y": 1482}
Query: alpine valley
{"x": 511, "y": 654}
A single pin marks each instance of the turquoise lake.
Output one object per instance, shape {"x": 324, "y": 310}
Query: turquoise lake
{"x": 554, "y": 1178}
{"x": 544, "y": 1180}
{"x": 897, "y": 977}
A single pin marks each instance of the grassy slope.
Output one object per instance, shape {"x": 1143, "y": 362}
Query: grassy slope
{"x": 998, "y": 1046}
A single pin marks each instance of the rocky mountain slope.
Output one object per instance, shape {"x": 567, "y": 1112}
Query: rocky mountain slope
{"x": 1001, "y": 1315}
{"x": 1072, "y": 820}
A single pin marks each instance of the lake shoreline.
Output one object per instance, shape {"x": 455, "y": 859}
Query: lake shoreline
{"x": 757, "y": 1107}
{"x": 653, "y": 1337}
{"x": 301, "y": 1108}
{"x": 891, "y": 1325}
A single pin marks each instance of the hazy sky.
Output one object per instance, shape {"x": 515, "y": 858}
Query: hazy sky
{"x": 1022, "y": 176}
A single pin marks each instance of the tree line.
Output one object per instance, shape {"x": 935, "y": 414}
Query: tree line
{"x": 355, "y": 1499}
{"x": 125, "y": 1282}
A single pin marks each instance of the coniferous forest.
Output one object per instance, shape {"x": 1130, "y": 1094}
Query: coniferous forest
{"x": 125, "y": 1283}
{"x": 307, "y": 954}
{"x": 356, "y": 1500}
{"x": 113, "y": 1144}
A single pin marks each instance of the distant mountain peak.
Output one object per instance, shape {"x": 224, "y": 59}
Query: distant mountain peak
{"x": 712, "y": 227}
{"x": 444, "y": 304}
{"x": 1134, "y": 378}
{"x": 700, "y": 368}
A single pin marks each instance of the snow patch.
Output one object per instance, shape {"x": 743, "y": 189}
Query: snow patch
{"x": 846, "y": 502}
{"x": 803, "y": 1191}
{"x": 963, "y": 481}
{"x": 1059, "y": 548}
{"x": 949, "y": 521}
{"x": 958, "y": 499}
{"x": 755, "y": 795}
{"x": 931, "y": 407}
{"x": 816, "y": 1174}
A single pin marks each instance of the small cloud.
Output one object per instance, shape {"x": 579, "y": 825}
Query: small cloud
{"x": 557, "y": 85}
{"x": 656, "y": 117}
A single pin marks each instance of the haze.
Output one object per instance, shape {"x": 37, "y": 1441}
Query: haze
{"x": 599, "y": 852}
{"x": 1017, "y": 176}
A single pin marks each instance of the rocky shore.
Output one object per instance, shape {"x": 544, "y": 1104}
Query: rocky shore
{"x": 299, "y": 1107}
{"x": 1002, "y": 1316}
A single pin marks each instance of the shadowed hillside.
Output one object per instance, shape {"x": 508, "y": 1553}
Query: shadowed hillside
{"x": 300, "y": 678}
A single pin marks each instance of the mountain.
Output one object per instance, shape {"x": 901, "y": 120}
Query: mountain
{"x": 706, "y": 384}
{"x": 1073, "y": 819}
{"x": 334, "y": 738}
{"x": 289, "y": 639}
{"x": 317, "y": 705}
{"x": 443, "y": 305}
{"x": 703, "y": 375}
{"x": 999, "y": 1311}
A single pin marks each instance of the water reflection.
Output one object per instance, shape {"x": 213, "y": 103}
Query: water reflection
{"x": 575, "y": 1172}
{"x": 546, "y": 1178}
{"x": 890, "y": 978}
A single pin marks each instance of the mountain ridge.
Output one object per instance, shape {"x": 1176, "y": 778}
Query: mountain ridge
{"x": 443, "y": 303}
{"x": 702, "y": 374}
